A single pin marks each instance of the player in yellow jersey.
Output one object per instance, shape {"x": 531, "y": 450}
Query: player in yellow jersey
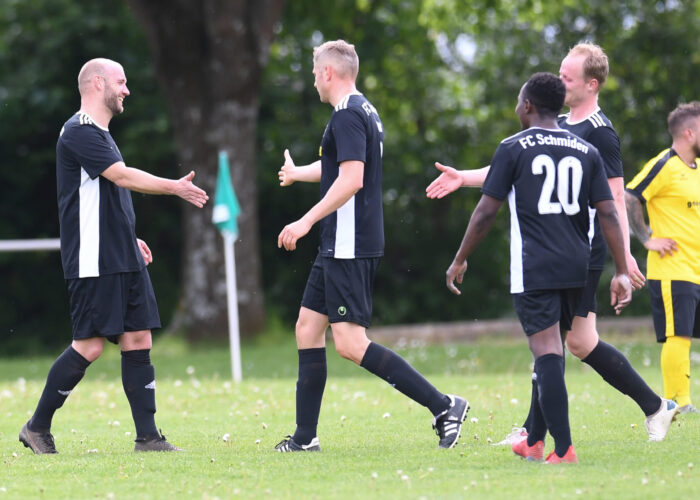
{"x": 669, "y": 186}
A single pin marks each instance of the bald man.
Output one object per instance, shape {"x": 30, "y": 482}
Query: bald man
{"x": 104, "y": 263}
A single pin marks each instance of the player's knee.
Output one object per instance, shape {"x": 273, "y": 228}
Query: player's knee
{"x": 347, "y": 350}
{"x": 132, "y": 341}
{"x": 581, "y": 347}
{"x": 88, "y": 349}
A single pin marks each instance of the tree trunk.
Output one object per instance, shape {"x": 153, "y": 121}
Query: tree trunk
{"x": 209, "y": 56}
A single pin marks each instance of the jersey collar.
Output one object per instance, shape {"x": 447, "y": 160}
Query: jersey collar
{"x": 92, "y": 120}
{"x": 568, "y": 122}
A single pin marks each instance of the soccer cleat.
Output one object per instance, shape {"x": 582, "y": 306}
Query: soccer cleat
{"x": 448, "y": 423}
{"x": 534, "y": 453}
{"x": 689, "y": 408}
{"x": 288, "y": 444}
{"x": 39, "y": 442}
{"x": 659, "y": 423}
{"x": 515, "y": 436}
{"x": 157, "y": 443}
{"x": 568, "y": 458}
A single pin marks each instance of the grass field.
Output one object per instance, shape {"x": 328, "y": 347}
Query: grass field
{"x": 376, "y": 443}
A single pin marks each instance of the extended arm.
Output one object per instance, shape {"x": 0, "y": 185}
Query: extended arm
{"x": 290, "y": 173}
{"x": 620, "y": 286}
{"x": 143, "y": 182}
{"x": 635, "y": 212}
{"x": 479, "y": 225}
{"x": 348, "y": 182}
{"x": 452, "y": 179}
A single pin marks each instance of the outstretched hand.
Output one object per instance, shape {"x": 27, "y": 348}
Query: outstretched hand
{"x": 447, "y": 182}
{"x": 620, "y": 292}
{"x": 286, "y": 173}
{"x": 186, "y": 190}
{"x": 455, "y": 272}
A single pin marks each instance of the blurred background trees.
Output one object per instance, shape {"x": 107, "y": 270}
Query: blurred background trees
{"x": 444, "y": 76}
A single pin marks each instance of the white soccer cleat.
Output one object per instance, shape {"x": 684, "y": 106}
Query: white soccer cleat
{"x": 515, "y": 436}
{"x": 659, "y": 423}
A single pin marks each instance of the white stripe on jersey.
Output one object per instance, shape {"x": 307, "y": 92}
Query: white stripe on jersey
{"x": 343, "y": 104}
{"x": 591, "y": 225}
{"x": 89, "y": 201}
{"x": 596, "y": 120}
{"x": 516, "y": 248}
{"x": 345, "y": 231}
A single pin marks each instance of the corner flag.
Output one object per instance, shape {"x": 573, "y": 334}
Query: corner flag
{"x": 226, "y": 211}
{"x": 226, "y": 208}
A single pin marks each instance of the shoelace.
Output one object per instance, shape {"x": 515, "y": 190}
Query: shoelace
{"x": 284, "y": 444}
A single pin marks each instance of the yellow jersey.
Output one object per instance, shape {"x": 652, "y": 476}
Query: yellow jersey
{"x": 671, "y": 191}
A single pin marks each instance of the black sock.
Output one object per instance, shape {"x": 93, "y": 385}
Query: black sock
{"x": 554, "y": 400}
{"x": 138, "y": 379}
{"x": 533, "y": 401}
{"x": 617, "y": 371}
{"x": 538, "y": 426}
{"x": 64, "y": 375}
{"x": 391, "y": 367}
{"x": 310, "y": 385}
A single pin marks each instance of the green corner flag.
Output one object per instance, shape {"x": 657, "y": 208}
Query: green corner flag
{"x": 226, "y": 208}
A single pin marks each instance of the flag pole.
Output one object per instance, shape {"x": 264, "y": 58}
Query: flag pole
{"x": 232, "y": 298}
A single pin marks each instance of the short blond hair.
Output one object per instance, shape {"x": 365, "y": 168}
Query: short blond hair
{"x": 595, "y": 65}
{"x": 342, "y": 56}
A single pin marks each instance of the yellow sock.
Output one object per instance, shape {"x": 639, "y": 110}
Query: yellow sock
{"x": 675, "y": 368}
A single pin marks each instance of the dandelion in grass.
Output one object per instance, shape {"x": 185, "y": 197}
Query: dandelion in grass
{"x": 225, "y": 437}
{"x": 474, "y": 420}
{"x": 386, "y": 415}
{"x": 190, "y": 370}
{"x": 514, "y": 401}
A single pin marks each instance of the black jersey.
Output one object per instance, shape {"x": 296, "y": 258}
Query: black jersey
{"x": 550, "y": 178}
{"x": 599, "y": 131}
{"x": 97, "y": 221}
{"x": 354, "y": 132}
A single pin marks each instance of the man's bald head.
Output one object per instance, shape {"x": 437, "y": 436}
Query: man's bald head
{"x": 96, "y": 67}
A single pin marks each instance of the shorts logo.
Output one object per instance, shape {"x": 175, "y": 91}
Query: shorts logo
{"x": 342, "y": 310}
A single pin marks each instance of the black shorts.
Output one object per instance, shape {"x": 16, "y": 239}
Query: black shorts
{"x": 109, "y": 305}
{"x": 675, "y": 307}
{"x": 341, "y": 289}
{"x": 540, "y": 309}
{"x": 588, "y": 303}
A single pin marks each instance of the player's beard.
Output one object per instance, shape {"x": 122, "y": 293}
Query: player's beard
{"x": 111, "y": 100}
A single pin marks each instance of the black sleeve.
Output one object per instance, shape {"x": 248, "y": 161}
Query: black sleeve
{"x": 608, "y": 144}
{"x": 350, "y": 135}
{"x": 499, "y": 180}
{"x": 90, "y": 148}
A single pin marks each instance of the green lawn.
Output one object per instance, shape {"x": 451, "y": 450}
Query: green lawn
{"x": 376, "y": 443}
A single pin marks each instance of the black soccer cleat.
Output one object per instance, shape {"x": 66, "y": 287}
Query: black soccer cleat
{"x": 288, "y": 444}
{"x": 39, "y": 442}
{"x": 155, "y": 443}
{"x": 448, "y": 424}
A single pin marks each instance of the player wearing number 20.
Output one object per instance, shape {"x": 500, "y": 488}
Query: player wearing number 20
{"x": 550, "y": 177}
